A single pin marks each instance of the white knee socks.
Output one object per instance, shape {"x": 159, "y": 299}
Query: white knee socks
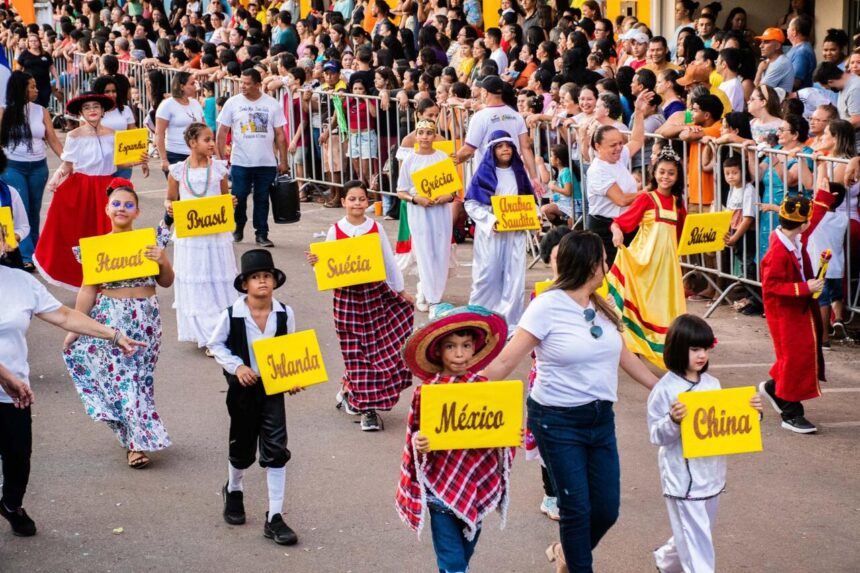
{"x": 235, "y": 480}
{"x": 276, "y": 479}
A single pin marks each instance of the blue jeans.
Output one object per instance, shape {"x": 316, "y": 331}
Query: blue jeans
{"x": 579, "y": 449}
{"x": 124, "y": 173}
{"x": 256, "y": 180}
{"x": 29, "y": 179}
{"x": 453, "y": 550}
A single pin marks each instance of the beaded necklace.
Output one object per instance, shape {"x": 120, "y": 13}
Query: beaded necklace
{"x": 187, "y": 179}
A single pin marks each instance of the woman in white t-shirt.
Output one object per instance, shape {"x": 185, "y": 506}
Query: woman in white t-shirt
{"x": 576, "y": 337}
{"x": 120, "y": 117}
{"x": 173, "y": 117}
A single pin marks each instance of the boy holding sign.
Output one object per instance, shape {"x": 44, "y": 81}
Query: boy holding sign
{"x": 691, "y": 486}
{"x": 459, "y": 487}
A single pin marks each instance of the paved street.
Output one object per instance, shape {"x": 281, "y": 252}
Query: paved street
{"x": 794, "y": 508}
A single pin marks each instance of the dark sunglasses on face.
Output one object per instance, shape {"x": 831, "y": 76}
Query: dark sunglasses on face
{"x": 129, "y": 205}
{"x": 595, "y": 330}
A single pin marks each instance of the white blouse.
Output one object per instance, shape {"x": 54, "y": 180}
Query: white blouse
{"x": 393, "y": 276}
{"x": 196, "y": 177}
{"x": 90, "y": 154}
{"x": 39, "y": 151}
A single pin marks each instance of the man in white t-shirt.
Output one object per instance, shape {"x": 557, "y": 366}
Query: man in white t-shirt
{"x": 256, "y": 121}
{"x": 493, "y": 41}
{"x": 728, "y": 66}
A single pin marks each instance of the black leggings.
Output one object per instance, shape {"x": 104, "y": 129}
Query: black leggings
{"x": 548, "y": 490}
{"x": 16, "y": 445}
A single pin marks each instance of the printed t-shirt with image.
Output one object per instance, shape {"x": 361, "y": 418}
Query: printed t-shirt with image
{"x": 253, "y": 125}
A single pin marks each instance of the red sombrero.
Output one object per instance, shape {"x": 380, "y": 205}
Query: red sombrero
{"x": 421, "y": 351}
{"x": 75, "y": 104}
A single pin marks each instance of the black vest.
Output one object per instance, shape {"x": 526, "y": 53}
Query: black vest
{"x": 237, "y": 338}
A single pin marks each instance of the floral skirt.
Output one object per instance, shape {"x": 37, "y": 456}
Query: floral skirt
{"x": 117, "y": 389}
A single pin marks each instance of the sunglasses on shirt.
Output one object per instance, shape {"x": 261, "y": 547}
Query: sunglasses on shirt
{"x": 595, "y": 330}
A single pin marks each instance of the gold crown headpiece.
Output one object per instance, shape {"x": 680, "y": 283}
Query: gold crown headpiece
{"x": 426, "y": 124}
{"x": 795, "y": 208}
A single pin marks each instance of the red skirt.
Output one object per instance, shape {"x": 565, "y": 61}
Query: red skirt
{"x": 77, "y": 210}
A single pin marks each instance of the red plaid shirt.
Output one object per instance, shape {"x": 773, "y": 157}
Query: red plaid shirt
{"x": 471, "y": 483}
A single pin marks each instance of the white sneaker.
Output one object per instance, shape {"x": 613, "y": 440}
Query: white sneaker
{"x": 341, "y": 403}
{"x": 421, "y": 302}
{"x": 549, "y": 507}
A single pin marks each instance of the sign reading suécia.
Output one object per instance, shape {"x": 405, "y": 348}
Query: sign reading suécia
{"x": 464, "y": 416}
{"x": 704, "y": 233}
{"x": 437, "y": 180}
{"x": 349, "y": 262}
{"x": 204, "y": 216}
{"x": 129, "y": 145}
{"x": 515, "y": 212}
{"x": 720, "y": 422}
{"x": 290, "y": 361}
{"x": 117, "y": 256}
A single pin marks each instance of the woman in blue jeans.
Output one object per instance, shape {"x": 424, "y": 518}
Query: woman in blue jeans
{"x": 576, "y": 337}
{"x": 26, "y": 133}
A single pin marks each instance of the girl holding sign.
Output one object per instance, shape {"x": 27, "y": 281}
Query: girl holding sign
{"x": 205, "y": 265}
{"x": 429, "y": 220}
{"x": 116, "y": 389}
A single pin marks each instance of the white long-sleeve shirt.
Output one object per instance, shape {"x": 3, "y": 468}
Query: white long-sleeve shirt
{"x": 20, "y": 222}
{"x": 217, "y": 344}
{"x": 393, "y": 276}
{"x": 694, "y": 478}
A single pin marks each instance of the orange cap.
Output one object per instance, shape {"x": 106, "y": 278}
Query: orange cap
{"x": 772, "y": 35}
{"x": 695, "y": 74}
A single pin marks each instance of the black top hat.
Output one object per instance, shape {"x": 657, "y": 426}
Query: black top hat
{"x": 255, "y": 261}
{"x": 75, "y": 104}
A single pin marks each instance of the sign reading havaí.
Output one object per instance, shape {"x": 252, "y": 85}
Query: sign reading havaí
{"x": 205, "y": 216}
{"x": 349, "y": 262}
{"x": 704, "y": 233}
{"x": 117, "y": 256}
{"x": 515, "y": 213}
{"x": 720, "y": 422}
{"x": 438, "y": 179}
{"x": 6, "y": 222}
{"x": 463, "y": 416}
{"x": 290, "y": 361}
{"x": 129, "y": 145}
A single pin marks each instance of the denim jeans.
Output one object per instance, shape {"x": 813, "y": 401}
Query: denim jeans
{"x": 29, "y": 179}
{"x": 125, "y": 173}
{"x": 453, "y": 550}
{"x": 256, "y": 180}
{"x": 578, "y": 446}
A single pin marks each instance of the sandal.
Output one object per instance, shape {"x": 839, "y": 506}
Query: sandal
{"x": 139, "y": 461}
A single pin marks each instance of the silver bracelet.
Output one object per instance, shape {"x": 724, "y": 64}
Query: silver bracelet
{"x": 116, "y": 336}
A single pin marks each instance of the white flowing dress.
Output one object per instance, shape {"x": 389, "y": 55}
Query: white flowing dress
{"x": 205, "y": 266}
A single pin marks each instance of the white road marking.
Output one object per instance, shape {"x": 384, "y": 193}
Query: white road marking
{"x": 840, "y": 390}
{"x": 841, "y": 425}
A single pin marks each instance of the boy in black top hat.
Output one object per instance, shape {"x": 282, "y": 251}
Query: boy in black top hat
{"x": 254, "y": 416}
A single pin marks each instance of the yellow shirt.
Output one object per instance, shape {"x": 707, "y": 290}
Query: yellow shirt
{"x": 724, "y": 99}
{"x": 716, "y": 79}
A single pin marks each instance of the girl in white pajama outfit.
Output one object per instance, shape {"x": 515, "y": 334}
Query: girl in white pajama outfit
{"x": 499, "y": 259}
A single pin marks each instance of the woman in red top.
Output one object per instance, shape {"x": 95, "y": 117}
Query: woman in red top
{"x": 363, "y": 141}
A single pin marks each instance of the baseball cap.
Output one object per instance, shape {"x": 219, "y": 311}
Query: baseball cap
{"x": 493, "y": 84}
{"x": 772, "y": 35}
{"x": 637, "y": 36}
{"x": 331, "y": 66}
{"x": 695, "y": 74}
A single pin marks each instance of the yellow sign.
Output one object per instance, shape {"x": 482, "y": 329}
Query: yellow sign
{"x": 290, "y": 361}
{"x": 445, "y": 146}
{"x": 515, "y": 212}
{"x": 472, "y": 415}
{"x": 437, "y": 179}
{"x": 349, "y": 262}
{"x": 6, "y": 221}
{"x": 117, "y": 256}
{"x": 491, "y": 13}
{"x": 205, "y": 216}
{"x": 704, "y": 233}
{"x": 129, "y": 145}
{"x": 720, "y": 422}
{"x": 541, "y": 286}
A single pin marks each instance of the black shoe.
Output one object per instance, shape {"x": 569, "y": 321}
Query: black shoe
{"x": 370, "y": 421}
{"x": 234, "y": 506}
{"x": 22, "y": 525}
{"x": 768, "y": 391}
{"x": 799, "y": 425}
{"x": 279, "y": 531}
{"x": 263, "y": 241}
{"x": 238, "y": 235}
{"x": 29, "y": 267}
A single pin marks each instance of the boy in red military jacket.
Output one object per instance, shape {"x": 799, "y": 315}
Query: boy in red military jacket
{"x": 788, "y": 284}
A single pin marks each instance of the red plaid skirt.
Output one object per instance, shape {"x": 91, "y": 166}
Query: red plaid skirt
{"x": 372, "y": 324}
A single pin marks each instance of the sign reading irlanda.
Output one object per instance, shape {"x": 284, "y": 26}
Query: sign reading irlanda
{"x": 129, "y": 145}
{"x": 290, "y": 361}
{"x": 205, "y": 216}
{"x": 515, "y": 213}
{"x": 437, "y": 180}
{"x": 349, "y": 262}
{"x": 472, "y": 415}
{"x": 117, "y": 256}
{"x": 720, "y": 422}
{"x": 704, "y": 233}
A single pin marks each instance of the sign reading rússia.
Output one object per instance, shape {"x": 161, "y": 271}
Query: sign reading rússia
{"x": 349, "y": 262}
{"x": 204, "y": 216}
{"x": 290, "y": 361}
{"x": 117, "y": 256}
{"x": 704, "y": 233}
{"x": 720, "y": 422}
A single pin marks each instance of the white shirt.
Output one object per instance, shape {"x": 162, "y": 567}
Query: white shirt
{"x": 501, "y": 58}
{"x": 734, "y": 90}
{"x": 601, "y": 177}
{"x": 393, "y": 276}
{"x": 412, "y": 163}
{"x": 178, "y": 118}
{"x": 829, "y": 234}
{"x": 90, "y": 154}
{"x": 573, "y": 368}
{"x": 483, "y": 215}
{"x": 39, "y": 151}
{"x": 5, "y": 74}
{"x": 253, "y": 125}
{"x": 119, "y": 120}
{"x": 490, "y": 119}
{"x": 793, "y": 247}
{"x": 20, "y": 222}
{"x": 23, "y": 296}
{"x": 743, "y": 199}
{"x": 217, "y": 344}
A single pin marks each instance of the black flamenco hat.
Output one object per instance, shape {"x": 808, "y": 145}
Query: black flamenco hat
{"x": 255, "y": 261}
{"x": 75, "y": 104}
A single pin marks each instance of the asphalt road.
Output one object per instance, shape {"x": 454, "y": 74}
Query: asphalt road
{"x": 793, "y": 508}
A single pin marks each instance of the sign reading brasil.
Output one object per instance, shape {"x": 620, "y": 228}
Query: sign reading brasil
{"x": 437, "y": 180}
{"x": 515, "y": 213}
{"x": 117, "y": 256}
{"x": 720, "y": 422}
{"x": 471, "y": 415}
{"x": 6, "y": 222}
{"x": 205, "y": 216}
{"x": 290, "y": 361}
{"x": 349, "y": 262}
{"x": 129, "y": 145}
{"x": 704, "y": 233}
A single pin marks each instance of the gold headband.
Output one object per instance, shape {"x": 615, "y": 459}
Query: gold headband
{"x": 425, "y": 124}
{"x": 794, "y": 208}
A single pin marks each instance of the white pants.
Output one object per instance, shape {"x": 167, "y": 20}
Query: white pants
{"x": 691, "y": 547}
{"x": 431, "y": 230}
{"x": 499, "y": 273}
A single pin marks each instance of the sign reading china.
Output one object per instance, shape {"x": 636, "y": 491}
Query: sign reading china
{"x": 117, "y": 256}
{"x": 349, "y": 262}
{"x": 720, "y": 422}
{"x": 472, "y": 415}
{"x": 6, "y": 221}
{"x": 704, "y": 233}
{"x": 515, "y": 213}
{"x": 290, "y": 361}
{"x": 205, "y": 216}
{"x": 129, "y": 145}
{"x": 438, "y": 179}
{"x": 443, "y": 145}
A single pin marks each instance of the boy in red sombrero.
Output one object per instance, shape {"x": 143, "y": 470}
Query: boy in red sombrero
{"x": 459, "y": 487}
